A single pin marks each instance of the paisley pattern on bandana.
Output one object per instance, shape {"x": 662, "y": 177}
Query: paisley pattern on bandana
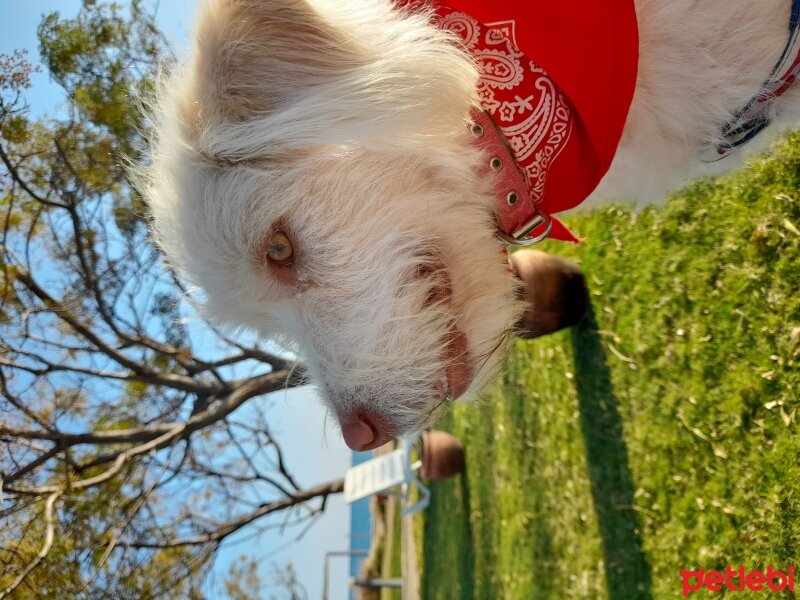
{"x": 533, "y": 114}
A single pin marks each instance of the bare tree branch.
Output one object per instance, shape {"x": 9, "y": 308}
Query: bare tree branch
{"x": 321, "y": 491}
{"x": 63, "y": 312}
{"x": 46, "y": 545}
{"x": 154, "y": 436}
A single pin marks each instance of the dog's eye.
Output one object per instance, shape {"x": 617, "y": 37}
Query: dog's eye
{"x": 279, "y": 248}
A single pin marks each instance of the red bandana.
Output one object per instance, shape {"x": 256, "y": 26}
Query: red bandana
{"x": 557, "y": 79}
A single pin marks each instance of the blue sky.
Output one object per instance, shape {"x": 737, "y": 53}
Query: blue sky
{"x": 314, "y": 448}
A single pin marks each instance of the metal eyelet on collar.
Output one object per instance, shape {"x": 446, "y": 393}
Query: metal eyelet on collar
{"x": 476, "y": 129}
{"x": 512, "y": 198}
{"x": 495, "y": 164}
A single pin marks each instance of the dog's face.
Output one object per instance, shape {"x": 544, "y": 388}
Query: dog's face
{"x": 313, "y": 173}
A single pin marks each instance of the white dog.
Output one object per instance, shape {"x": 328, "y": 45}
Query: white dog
{"x": 332, "y": 172}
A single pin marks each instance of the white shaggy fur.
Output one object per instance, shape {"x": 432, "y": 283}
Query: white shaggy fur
{"x": 342, "y": 123}
{"x": 699, "y": 61}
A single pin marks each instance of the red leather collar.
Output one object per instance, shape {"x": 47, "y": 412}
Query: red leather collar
{"x": 520, "y": 221}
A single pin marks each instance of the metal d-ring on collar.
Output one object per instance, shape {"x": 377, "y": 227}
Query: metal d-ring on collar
{"x": 522, "y": 235}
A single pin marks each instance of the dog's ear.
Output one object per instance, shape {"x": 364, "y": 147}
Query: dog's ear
{"x": 251, "y": 56}
{"x": 271, "y": 78}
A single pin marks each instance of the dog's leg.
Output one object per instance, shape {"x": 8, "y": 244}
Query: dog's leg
{"x": 555, "y": 292}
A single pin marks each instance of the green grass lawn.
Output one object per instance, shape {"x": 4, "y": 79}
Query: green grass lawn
{"x": 660, "y": 434}
{"x": 391, "y": 563}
